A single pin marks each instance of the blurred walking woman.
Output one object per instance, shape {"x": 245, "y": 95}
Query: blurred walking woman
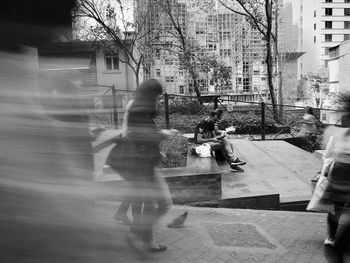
{"x": 338, "y": 189}
{"x": 146, "y": 137}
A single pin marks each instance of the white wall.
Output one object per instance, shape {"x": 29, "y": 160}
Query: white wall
{"x": 123, "y": 78}
{"x": 333, "y": 69}
{"x": 344, "y": 67}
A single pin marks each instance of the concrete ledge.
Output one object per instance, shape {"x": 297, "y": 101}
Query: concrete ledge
{"x": 271, "y": 202}
{"x": 199, "y": 181}
{"x": 195, "y": 188}
{"x": 294, "y": 206}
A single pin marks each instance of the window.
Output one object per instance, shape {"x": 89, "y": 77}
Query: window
{"x": 324, "y": 116}
{"x": 169, "y": 79}
{"x": 314, "y": 26}
{"x": 326, "y": 51}
{"x": 346, "y": 11}
{"x": 329, "y": 1}
{"x": 346, "y": 24}
{"x": 328, "y": 24}
{"x": 314, "y": 13}
{"x": 346, "y": 37}
{"x": 112, "y": 62}
{"x": 158, "y": 72}
{"x": 346, "y": 1}
{"x": 328, "y": 38}
{"x": 314, "y": 39}
{"x": 168, "y": 61}
{"x": 181, "y": 89}
{"x": 329, "y": 11}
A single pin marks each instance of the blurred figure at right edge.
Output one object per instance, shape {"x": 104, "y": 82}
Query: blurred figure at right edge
{"x": 309, "y": 129}
{"x": 338, "y": 190}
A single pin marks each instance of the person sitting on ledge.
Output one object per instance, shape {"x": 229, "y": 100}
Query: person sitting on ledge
{"x": 205, "y": 133}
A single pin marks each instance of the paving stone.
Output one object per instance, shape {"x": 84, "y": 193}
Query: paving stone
{"x": 237, "y": 235}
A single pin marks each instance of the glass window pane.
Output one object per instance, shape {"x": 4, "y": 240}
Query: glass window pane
{"x": 347, "y": 24}
{"x": 108, "y": 63}
{"x": 115, "y": 63}
{"x": 346, "y": 11}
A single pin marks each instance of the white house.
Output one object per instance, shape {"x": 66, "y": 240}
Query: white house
{"x": 100, "y": 73}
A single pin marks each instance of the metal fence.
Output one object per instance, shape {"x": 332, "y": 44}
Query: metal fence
{"x": 109, "y": 107}
{"x": 254, "y": 120}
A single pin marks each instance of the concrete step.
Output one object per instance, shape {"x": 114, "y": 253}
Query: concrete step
{"x": 276, "y": 173}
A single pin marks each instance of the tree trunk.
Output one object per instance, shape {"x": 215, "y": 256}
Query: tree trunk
{"x": 268, "y": 10}
{"x": 279, "y": 65}
{"x": 137, "y": 78}
{"x": 195, "y": 86}
{"x": 196, "y": 89}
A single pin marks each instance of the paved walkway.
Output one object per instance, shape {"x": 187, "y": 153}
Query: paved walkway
{"x": 227, "y": 235}
{"x": 273, "y": 167}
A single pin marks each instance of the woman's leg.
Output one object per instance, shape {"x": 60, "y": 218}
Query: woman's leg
{"x": 333, "y": 220}
{"x": 157, "y": 204}
{"x": 122, "y": 211}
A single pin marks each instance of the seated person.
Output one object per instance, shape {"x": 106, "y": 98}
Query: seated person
{"x": 205, "y": 133}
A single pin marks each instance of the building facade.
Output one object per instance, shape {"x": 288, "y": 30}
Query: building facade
{"x": 338, "y": 61}
{"x": 231, "y": 38}
{"x": 98, "y": 72}
{"x": 322, "y": 24}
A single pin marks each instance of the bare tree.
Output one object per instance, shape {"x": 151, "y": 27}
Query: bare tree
{"x": 260, "y": 14}
{"x": 186, "y": 48}
{"x": 112, "y": 27}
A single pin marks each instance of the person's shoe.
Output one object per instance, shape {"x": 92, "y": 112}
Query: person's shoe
{"x": 235, "y": 168}
{"x": 237, "y": 161}
{"x": 154, "y": 247}
{"x": 123, "y": 218}
{"x": 330, "y": 241}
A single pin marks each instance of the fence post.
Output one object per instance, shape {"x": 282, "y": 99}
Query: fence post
{"x": 263, "y": 121}
{"x": 115, "y": 110}
{"x": 166, "y": 102}
{"x": 215, "y": 102}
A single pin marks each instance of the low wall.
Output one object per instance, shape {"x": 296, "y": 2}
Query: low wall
{"x": 195, "y": 188}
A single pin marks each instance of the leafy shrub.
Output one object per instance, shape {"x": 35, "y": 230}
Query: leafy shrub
{"x": 180, "y": 122}
{"x": 188, "y": 107}
{"x": 244, "y": 121}
{"x": 175, "y": 150}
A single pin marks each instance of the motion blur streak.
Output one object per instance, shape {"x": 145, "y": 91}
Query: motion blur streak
{"x": 46, "y": 167}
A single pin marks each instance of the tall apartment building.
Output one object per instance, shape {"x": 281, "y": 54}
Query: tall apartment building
{"x": 226, "y": 34}
{"x": 334, "y": 25}
{"x": 322, "y": 24}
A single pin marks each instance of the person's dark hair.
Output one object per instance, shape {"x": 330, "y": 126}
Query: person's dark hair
{"x": 309, "y": 110}
{"x": 149, "y": 89}
{"x": 146, "y": 97}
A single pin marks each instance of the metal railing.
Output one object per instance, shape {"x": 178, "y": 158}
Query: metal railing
{"x": 105, "y": 112}
{"x": 254, "y": 119}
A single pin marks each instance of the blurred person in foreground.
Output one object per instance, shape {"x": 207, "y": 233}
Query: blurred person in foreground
{"x": 45, "y": 150}
{"x": 338, "y": 190}
{"x": 150, "y": 198}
